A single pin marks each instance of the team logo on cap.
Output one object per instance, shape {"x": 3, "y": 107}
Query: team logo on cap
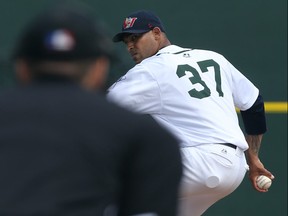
{"x": 129, "y": 22}
{"x": 60, "y": 40}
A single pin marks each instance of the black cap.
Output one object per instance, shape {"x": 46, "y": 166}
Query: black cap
{"x": 64, "y": 34}
{"x": 139, "y": 22}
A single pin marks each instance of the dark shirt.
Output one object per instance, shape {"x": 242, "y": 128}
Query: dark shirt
{"x": 66, "y": 151}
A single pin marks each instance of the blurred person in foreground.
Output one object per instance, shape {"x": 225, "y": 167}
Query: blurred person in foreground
{"x": 65, "y": 150}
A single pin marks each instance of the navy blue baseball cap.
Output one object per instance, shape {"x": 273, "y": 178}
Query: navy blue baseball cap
{"x": 64, "y": 33}
{"x": 139, "y": 22}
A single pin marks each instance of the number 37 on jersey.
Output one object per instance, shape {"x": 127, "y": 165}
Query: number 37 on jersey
{"x": 182, "y": 70}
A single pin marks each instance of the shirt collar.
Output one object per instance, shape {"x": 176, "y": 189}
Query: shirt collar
{"x": 170, "y": 49}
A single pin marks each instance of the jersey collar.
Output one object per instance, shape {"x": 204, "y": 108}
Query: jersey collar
{"x": 170, "y": 49}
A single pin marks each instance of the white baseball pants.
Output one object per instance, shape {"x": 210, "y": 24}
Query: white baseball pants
{"x": 211, "y": 172}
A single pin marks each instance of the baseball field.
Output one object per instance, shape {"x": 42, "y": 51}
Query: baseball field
{"x": 251, "y": 34}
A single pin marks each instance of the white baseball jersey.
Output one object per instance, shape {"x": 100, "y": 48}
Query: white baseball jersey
{"x": 191, "y": 92}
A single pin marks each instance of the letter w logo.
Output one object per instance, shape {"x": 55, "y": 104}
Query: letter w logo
{"x": 129, "y": 22}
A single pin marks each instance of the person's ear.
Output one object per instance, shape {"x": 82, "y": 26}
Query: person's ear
{"x": 156, "y": 32}
{"x": 97, "y": 73}
{"x": 23, "y": 73}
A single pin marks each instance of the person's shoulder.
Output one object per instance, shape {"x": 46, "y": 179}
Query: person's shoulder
{"x": 207, "y": 54}
{"x": 206, "y": 51}
{"x": 138, "y": 71}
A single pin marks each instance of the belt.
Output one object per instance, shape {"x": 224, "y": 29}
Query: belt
{"x": 229, "y": 145}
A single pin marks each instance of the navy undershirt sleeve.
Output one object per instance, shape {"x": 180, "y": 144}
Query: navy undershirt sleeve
{"x": 254, "y": 118}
